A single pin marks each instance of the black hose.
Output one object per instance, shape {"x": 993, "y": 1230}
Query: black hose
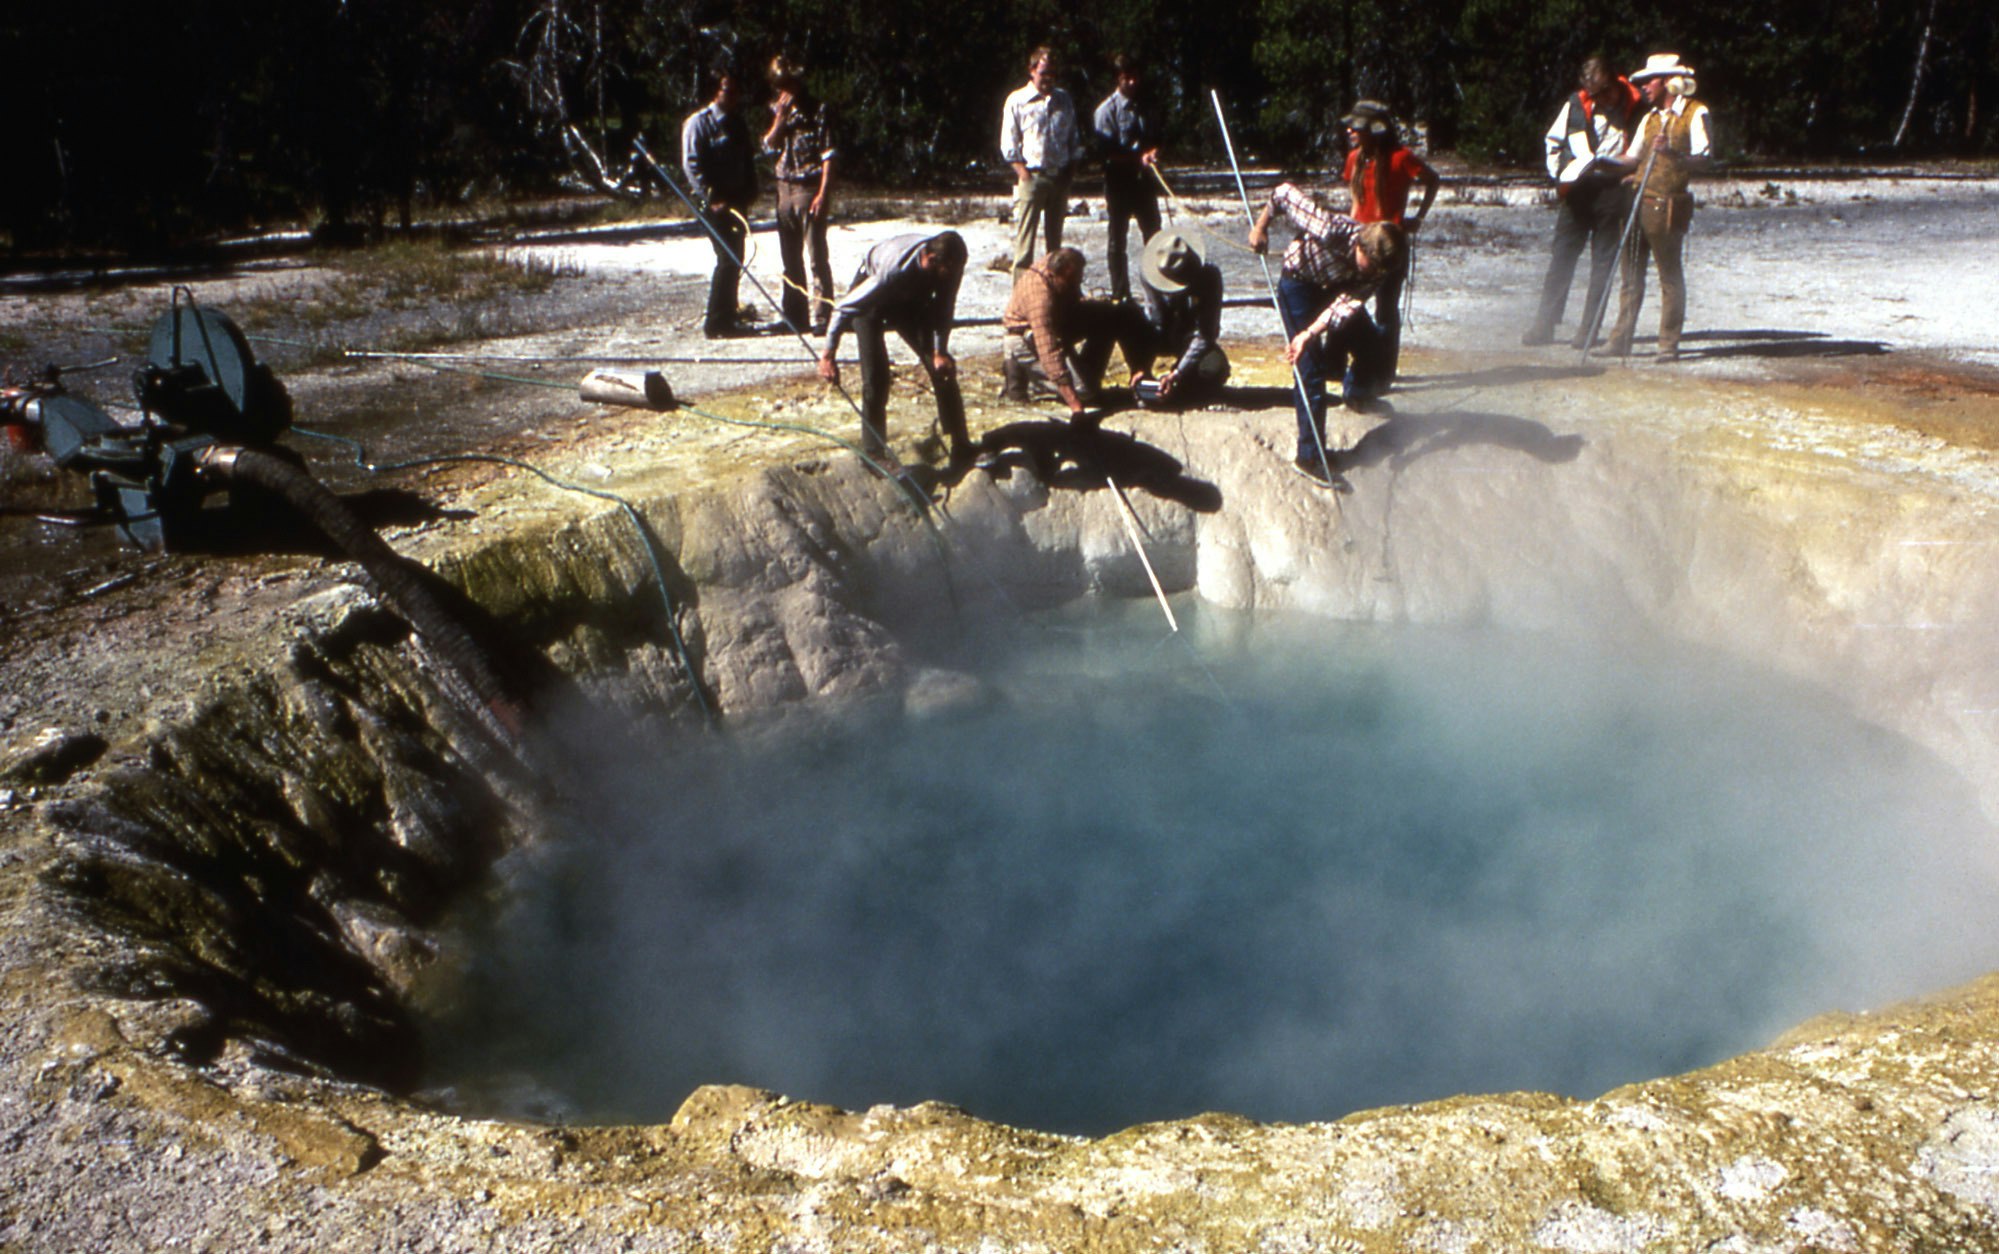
{"x": 396, "y": 578}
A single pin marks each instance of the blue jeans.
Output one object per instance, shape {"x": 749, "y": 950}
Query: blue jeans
{"x": 1355, "y": 351}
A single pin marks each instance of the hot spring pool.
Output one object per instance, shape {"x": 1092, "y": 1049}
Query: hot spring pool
{"x": 1289, "y": 869}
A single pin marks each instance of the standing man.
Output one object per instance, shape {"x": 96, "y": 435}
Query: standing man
{"x": 1038, "y": 139}
{"x": 802, "y": 137}
{"x": 1329, "y": 272}
{"x": 1675, "y": 138}
{"x": 907, "y": 284}
{"x": 1047, "y": 317}
{"x": 1582, "y": 150}
{"x": 1130, "y": 142}
{"x": 1379, "y": 172}
{"x": 719, "y": 161}
{"x": 1183, "y": 304}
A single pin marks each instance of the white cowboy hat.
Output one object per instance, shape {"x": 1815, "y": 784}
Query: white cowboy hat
{"x": 1661, "y": 65}
{"x": 1170, "y": 262}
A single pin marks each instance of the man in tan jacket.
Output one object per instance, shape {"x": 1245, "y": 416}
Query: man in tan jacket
{"x": 1670, "y": 143}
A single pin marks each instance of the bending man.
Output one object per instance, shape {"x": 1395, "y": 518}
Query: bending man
{"x": 1329, "y": 272}
{"x": 908, "y": 284}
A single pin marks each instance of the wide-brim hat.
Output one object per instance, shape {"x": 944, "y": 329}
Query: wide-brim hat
{"x": 1370, "y": 115}
{"x": 1661, "y": 65}
{"x": 1170, "y": 262}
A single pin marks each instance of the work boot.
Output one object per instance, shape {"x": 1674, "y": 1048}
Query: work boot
{"x": 1312, "y": 468}
{"x": 1537, "y": 336}
{"x": 1013, "y": 381}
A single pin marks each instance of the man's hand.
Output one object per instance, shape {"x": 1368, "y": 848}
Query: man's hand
{"x": 829, "y": 370}
{"x": 1298, "y": 345}
{"x": 945, "y": 365}
{"x": 1166, "y": 382}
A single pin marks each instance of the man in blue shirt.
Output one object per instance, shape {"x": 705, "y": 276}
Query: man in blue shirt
{"x": 719, "y": 159}
{"x": 909, "y": 285}
{"x": 1130, "y": 144}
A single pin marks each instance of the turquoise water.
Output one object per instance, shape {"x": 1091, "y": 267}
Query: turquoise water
{"x": 1288, "y": 870}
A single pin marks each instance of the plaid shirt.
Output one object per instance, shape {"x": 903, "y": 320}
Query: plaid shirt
{"x": 1036, "y": 310}
{"x": 1322, "y": 256}
{"x": 804, "y": 141}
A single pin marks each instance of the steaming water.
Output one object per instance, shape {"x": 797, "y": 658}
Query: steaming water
{"x": 1290, "y": 870}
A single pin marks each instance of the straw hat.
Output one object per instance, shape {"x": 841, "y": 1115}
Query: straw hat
{"x": 1169, "y": 263}
{"x": 1661, "y": 65}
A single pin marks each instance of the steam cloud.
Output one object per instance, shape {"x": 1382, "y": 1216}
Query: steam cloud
{"x": 1306, "y": 869}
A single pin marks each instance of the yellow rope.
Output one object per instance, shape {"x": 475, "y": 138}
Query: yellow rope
{"x": 750, "y": 238}
{"x": 1178, "y": 207}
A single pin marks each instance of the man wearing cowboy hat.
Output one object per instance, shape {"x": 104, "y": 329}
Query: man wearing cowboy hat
{"x": 1670, "y": 143}
{"x": 1183, "y": 306}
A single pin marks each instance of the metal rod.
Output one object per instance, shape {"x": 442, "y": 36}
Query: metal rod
{"x": 1130, "y": 521}
{"x": 1595, "y": 322}
{"x": 1297, "y": 378}
{"x": 897, "y": 476}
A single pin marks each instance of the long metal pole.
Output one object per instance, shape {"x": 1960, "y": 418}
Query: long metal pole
{"x": 897, "y": 476}
{"x": 1595, "y": 323}
{"x": 1297, "y": 378}
{"x": 1130, "y": 521}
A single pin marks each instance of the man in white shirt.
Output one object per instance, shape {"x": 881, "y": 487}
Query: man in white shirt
{"x": 1038, "y": 139}
{"x": 1582, "y": 146}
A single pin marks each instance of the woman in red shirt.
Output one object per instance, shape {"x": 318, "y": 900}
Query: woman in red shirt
{"x": 1379, "y": 172}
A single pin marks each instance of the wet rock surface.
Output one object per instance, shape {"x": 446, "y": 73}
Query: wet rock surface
{"x": 236, "y": 797}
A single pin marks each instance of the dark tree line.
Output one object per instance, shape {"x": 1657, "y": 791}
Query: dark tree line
{"x": 138, "y": 127}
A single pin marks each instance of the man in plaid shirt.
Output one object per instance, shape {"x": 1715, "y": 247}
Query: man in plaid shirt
{"x": 1330, "y": 270}
{"x": 1055, "y": 340}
